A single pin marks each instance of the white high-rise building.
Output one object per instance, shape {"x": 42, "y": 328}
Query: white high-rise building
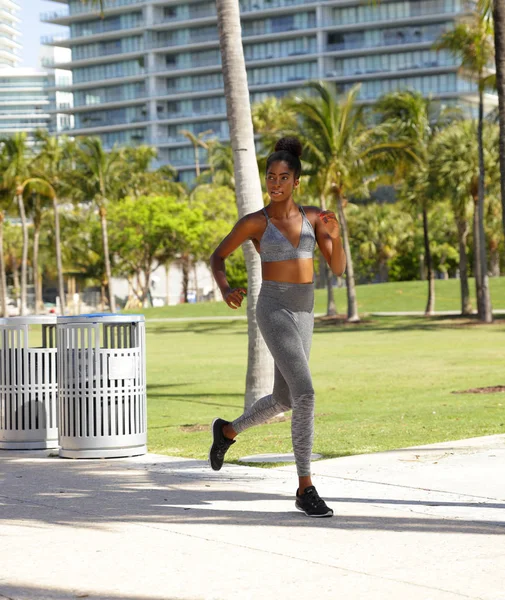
{"x": 24, "y": 101}
{"x": 9, "y": 33}
{"x": 147, "y": 69}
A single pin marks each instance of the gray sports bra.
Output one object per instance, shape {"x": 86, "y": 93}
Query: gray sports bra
{"x": 274, "y": 247}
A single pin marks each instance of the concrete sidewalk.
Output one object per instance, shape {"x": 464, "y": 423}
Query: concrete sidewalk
{"x": 416, "y": 524}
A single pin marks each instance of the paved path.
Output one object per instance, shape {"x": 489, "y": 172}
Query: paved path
{"x": 422, "y": 523}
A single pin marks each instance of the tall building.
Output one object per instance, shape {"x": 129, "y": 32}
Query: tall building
{"x": 150, "y": 68}
{"x": 24, "y": 102}
{"x": 9, "y": 33}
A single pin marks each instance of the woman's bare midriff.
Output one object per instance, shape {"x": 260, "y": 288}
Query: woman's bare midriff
{"x": 296, "y": 270}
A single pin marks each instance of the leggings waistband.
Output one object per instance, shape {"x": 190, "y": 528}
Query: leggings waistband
{"x": 294, "y": 296}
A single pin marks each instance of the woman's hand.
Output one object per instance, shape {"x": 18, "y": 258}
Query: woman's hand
{"x": 330, "y": 223}
{"x": 234, "y": 297}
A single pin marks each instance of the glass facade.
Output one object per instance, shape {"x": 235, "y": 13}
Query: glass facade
{"x": 170, "y": 77}
{"x": 24, "y": 101}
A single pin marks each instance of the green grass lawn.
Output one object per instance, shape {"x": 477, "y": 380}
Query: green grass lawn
{"x": 385, "y": 383}
{"x": 383, "y": 297}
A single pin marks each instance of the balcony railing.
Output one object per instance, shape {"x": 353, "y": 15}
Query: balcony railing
{"x": 99, "y": 52}
{"x": 109, "y": 123}
{"x": 189, "y": 16}
{"x": 408, "y": 39}
{"x": 247, "y": 6}
{"x": 54, "y": 15}
{"x": 78, "y": 8}
{"x": 109, "y": 100}
{"x": 53, "y": 39}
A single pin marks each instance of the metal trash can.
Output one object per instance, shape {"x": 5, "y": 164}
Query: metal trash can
{"x": 28, "y": 385}
{"x": 102, "y": 386}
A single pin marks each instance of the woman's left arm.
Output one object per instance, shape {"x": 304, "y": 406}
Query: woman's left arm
{"x": 329, "y": 240}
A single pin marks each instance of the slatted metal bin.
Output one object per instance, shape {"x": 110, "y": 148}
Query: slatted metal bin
{"x": 28, "y": 386}
{"x": 102, "y": 386}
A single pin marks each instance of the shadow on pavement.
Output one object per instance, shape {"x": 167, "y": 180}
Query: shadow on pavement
{"x": 95, "y": 494}
{"x": 9, "y": 592}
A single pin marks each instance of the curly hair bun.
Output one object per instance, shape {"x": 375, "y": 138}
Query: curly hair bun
{"x": 289, "y": 144}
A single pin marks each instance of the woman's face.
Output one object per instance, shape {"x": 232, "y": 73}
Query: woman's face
{"x": 280, "y": 181}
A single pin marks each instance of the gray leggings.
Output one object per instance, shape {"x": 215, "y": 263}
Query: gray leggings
{"x": 285, "y": 314}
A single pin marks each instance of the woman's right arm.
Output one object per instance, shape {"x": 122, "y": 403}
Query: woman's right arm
{"x": 244, "y": 230}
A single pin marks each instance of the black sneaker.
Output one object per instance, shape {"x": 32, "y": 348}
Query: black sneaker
{"x": 312, "y": 504}
{"x": 220, "y": 444}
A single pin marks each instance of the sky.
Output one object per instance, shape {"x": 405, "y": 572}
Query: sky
{"x": 32, "y": 29}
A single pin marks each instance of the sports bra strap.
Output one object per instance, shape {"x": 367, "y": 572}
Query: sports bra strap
{"x": 266, "y": 214}
{"x": 302, "y": 211}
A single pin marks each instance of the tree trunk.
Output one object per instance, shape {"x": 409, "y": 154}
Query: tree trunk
{"x": 106, "y": 257}
{"x": 24, "y": 258}
{"x": 3, "y": 278}
{"x": 39, "y": 306}
{"x": 466, "y": 306}
{"x": 499, "y": 44}
{"x": 322, "y": 272}
{"x": 259, "y": 378}
{"x": 59, "y": 262}
{"x": 102, "y": 296}
{"x": 486, "y": 313}
{"x": 352, "y": 303}
{"x": 331, "y": 307}
{"x": 430, "y": 305}
{"x": 185, "y": 277}
{"x": 494, "y": 263}
{"x": 15, "y": 277}
{"x": 476, "y": 261}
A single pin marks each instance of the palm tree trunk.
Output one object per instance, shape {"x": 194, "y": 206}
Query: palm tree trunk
{"x": 39, "y": 307}
{"x": 487, "y": 314}
{"x": 352, "y": 303}
{"x": 197, "y": 160}
{"x": 331, "y": 307}
{"x": 476, "y": 261}
{"x": 494, "y": 261}
{"x": 499, "y": 44}
{"x": 466, "y": 307}
{"x": 24, "y": 257}
{"x": 106, "y": 257}
{"x": 259, "y": 378}
{"x": 430, "y": 305}
{"x": 185, "y": 276}
{"x": 3, "y": 278}
{"x": 59, "y": 262}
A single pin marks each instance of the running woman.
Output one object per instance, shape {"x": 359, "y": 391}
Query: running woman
{"x": 285, "y": 235}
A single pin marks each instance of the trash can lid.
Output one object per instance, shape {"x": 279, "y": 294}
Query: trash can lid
{"x": 101, "y": 318}
{"x": 29, "y": 320}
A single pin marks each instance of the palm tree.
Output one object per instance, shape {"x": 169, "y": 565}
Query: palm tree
{"x": 16, "y": 177}
{"x": 416, "y": 120}
{"x": 53, "y": 165}
{"x": 198, "y": 142}
{"x": 344, "y": 153}
{"x": 221, "y": 164}
{"x": 97, "y": 177}
{"x": 454, "y": 168}
{"x": 248, "y": 186}
{"x": 472, "y": 44}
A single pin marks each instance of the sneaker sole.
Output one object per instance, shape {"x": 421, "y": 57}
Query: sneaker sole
{"x": 212, "y": 431}
{"x": 326, "y": 515}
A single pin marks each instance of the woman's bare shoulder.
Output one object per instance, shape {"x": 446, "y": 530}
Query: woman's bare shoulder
{"x": 312, "y": 212}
